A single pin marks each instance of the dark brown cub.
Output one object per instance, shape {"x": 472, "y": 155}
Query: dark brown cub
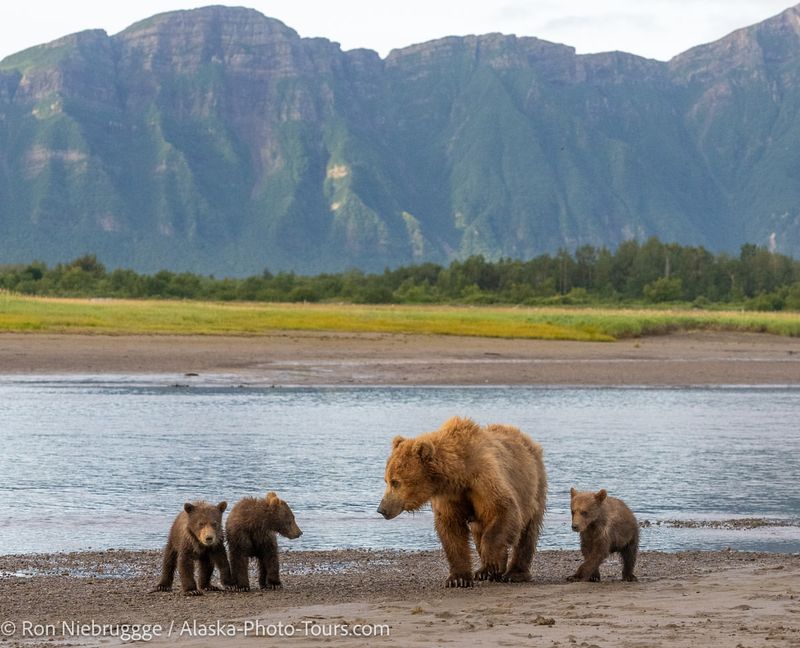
{"x": 251, "y": 528}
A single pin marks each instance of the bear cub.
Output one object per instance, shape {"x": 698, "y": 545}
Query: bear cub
{"x": 606, "y": 526}
{"x": 196, "y": 536}
{"x": 251, "y": 528}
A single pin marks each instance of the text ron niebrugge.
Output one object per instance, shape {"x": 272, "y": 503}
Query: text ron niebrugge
{"x": 190, "y": 628}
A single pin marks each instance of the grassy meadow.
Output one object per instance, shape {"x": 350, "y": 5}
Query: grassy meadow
{"x": 100, "y": 316}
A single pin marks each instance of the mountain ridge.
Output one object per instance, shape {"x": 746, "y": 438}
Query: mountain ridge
{"x": 219, "y": 140}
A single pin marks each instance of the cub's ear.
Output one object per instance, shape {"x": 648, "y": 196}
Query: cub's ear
{"x": 425, "y": 450}
{"x": 272, "y": 495}
{"x": 572, "y": 493}
{"x": 222, "y": 506}
{"x": 397, "y": 441}
{"x": 600, "y": 495}
{"x": 188, "y": 507}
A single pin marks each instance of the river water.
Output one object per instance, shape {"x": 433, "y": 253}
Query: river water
{"x": 108, "y": 461}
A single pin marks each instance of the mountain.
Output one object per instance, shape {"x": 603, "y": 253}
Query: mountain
{"x": 219, "y": 141}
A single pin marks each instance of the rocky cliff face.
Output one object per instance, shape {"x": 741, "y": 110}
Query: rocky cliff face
{"x": 217, "y": 140}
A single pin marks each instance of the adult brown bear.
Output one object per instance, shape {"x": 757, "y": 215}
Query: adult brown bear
{"x": 490, "y": 480}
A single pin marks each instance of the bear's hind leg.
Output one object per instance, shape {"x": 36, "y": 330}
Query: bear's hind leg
{"x": 168, "y": 565}
{"x": 494, "y": 549}
{"x": 206, "y": 570}
{"x": 519, "y": 571}
{"x": 628, "y": 553}
{"x": 238, "y": 563}
{"x": 220, "y": 559}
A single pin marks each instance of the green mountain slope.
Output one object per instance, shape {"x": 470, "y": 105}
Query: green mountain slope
{"x": 219, "y": 141}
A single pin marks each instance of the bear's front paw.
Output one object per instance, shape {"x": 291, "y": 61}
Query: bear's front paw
{"x": 630, "y": 578}
{"x": 272, "y": 586}
{"x": 212, "y": 588}
{"x": 594, "y": 578}
{"x": 162, "y": 588}
{"x": 193, "y": 592}
{"x": 574, "y": 578}
{"x": 459, "y": 580}
{"x": 488, "y": 573}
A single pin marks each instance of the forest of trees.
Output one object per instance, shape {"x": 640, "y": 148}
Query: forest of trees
{"x": 636, "y": 273}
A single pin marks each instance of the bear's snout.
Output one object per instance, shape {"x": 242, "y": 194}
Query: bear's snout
{"x": 575, "y": 527}
{"x": 389, "y": 509}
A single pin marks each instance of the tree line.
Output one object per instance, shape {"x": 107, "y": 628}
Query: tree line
{"x": 652, "y": 272}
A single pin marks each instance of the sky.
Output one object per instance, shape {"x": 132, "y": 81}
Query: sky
{"x": 653, "y": 28}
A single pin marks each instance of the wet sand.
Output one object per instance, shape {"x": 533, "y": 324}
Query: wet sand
{"x": 723, "y": 598}
{"x": 308, "y": 358}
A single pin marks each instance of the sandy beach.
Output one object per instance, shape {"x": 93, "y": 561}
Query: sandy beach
{"x": 699, "y": 598}
{"x": 724, "y": 598}
{"x": 307, "y": 358}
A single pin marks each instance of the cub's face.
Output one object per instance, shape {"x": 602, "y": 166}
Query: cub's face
{"x": 585, "y": 508}
{"x": 408, "y": 482}
{"x": 283, "y": 516}
{"x": 205, "y": 521}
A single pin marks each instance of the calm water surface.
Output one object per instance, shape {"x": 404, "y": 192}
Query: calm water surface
{"x": 107, "y": 463}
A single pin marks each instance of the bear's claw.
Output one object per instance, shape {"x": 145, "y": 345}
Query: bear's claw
{"x": 161, "y": 588}
{"x": 460, "y": 581}
{"x": 194, "y": 592}
{"x": 212, "y": 588}
{"x": 630, "y": 579}
{"x": 488, "y": 574}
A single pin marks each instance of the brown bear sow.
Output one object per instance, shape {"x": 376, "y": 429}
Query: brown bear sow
{"x": 488, "y": 480}
{"x": 196, "y": 536}
{"x": 606, "y": 526}
{"x": 251, "y": 528}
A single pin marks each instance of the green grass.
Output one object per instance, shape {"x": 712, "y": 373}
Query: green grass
{"x": 51, "y": 315}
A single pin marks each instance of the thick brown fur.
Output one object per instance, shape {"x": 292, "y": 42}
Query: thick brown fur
{"x": 196, "y": 536}
{"x": 488, "y": 480}
{"x": 251, "y": 528}
{"x": 606, "y": 526}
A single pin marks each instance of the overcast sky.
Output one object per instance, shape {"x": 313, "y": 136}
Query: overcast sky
{"x": 654, "y": 28}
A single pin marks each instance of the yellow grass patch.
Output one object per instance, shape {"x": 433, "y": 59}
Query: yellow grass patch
{"x": 55, "y": 315}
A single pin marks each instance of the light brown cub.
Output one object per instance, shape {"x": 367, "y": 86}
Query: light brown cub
{"x": 196, "y": 536}
{"x": 606, "y": 526}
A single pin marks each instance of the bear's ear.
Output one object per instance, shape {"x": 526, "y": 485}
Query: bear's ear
{"x": 222, "y": 506}
{"x": 271, "y": 496}
{"x": 397, "y": 441}
{"x": 425, "y": 450}
{"x": 600, "y": 495}
{"x": 188, "y": 507}
{"x": 572, "y": 493}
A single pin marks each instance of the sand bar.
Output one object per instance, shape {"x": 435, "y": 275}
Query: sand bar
{"x": 308, "y": 358}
